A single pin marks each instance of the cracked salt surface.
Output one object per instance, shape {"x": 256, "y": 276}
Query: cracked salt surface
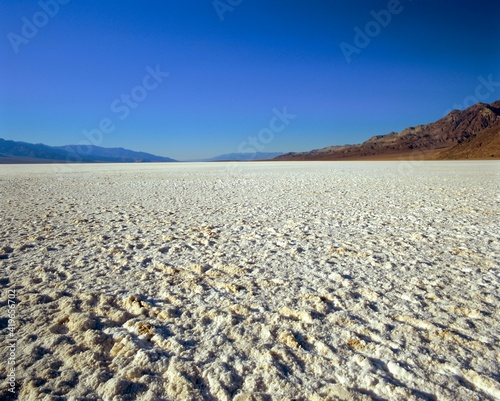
{"x": 264, "y": 281}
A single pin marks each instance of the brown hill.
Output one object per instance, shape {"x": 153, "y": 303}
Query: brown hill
{"x": 426, "y": 140}
{"x": 484, "y": 145}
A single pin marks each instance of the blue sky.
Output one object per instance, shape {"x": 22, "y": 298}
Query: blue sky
{"x": 71, "y": 67}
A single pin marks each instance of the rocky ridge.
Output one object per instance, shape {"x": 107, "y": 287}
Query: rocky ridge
{"x": 427, "y": 141}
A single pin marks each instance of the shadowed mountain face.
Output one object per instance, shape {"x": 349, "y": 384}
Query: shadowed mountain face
{"x": 429, "y": 140}
{"x": 22, "y": 152}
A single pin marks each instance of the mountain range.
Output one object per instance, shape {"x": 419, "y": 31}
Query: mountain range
{"x": 246, "y": 156}
{"x": 473, "y": 133}
{"x": 23, "y": 152}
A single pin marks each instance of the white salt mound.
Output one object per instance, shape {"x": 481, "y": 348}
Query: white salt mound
{"x": 254, "y": 281}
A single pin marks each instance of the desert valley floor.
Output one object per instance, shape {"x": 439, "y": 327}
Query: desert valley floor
{"x": 252, "y": 281}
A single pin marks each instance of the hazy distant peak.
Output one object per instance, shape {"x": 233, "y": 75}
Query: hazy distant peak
{"x": 23, "y": 152}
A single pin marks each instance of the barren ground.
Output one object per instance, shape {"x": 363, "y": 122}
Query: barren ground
{"x": 253, "y": 281}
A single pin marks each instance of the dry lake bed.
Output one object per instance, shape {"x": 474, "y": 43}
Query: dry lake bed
{"x": 252, "y": 281}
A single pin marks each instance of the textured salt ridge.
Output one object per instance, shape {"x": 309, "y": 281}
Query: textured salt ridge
{"x": 302, "y": 281}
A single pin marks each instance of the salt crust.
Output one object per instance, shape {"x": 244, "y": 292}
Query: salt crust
{"x": 255, "y": 281}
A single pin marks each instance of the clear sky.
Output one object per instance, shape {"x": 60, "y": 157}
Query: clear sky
{"x": 345, "y": 70}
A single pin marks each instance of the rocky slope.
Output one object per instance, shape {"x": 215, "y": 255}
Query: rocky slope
{"x": 459, "y": 127}
{"x": 484, "y": 145}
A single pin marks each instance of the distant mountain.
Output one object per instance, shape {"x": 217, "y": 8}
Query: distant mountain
{"x": 10, "y": 151}
{"x": 23, "y": 152}
{"x": 456, "y": 130}
{"x": 120, "y": 154}
{"x": 244, "y": 156}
